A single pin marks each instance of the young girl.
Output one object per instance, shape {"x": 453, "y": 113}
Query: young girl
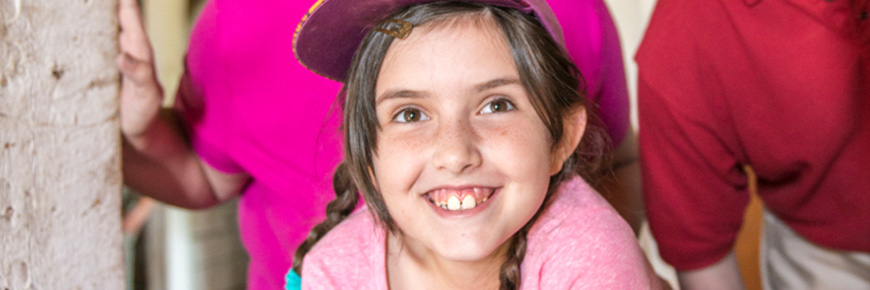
{"x": 467, "y": 137}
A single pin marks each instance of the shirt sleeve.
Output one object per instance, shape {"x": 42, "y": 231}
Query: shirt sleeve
{"x": 694, "y": 188}
{"x": 204, "y": 101}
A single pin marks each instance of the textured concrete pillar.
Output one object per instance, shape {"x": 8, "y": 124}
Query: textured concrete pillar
{"x": 60, "y": 181}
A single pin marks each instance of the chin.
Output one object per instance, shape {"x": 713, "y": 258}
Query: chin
{"x": 469, "y": 251}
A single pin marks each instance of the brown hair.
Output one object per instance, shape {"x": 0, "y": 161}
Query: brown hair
{"x": 552, "y": 81}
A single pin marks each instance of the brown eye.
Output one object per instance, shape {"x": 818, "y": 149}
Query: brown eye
{"x": 410, "y": 115}
{"x": 498, "y": 106}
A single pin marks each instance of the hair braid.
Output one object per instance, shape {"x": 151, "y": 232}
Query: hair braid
{"x": 511, "y": 276}
{"x": 346, "y": 200}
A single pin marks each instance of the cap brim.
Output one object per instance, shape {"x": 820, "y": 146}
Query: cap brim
{"x": 328, "y": 36}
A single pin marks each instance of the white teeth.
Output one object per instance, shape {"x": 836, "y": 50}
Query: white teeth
{"x": 468, "y": 202}
{"x": 453, "y": 203}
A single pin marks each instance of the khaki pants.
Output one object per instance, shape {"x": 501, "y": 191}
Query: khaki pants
{"x": 788, "y": 261}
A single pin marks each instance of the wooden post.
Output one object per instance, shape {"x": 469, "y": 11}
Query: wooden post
{"x": 60, "y": 179}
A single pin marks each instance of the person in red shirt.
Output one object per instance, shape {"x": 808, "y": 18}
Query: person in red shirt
{"x": 782, "y": 86}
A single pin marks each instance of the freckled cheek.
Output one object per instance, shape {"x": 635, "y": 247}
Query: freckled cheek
{"x": 398, "y": 145}
{"x": 398, "y": 160}
{"x": 525, "y": 146}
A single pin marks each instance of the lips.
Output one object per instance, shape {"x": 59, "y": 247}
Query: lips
{"x": 459, "y": 199}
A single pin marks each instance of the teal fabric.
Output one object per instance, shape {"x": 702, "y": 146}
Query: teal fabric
{"x": 294, "y": 282}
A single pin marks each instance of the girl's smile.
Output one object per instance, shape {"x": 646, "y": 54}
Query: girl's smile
{"x": 459, "y": 199}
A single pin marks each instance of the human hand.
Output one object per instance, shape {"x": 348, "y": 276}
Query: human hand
{"x": 141, "y": 93}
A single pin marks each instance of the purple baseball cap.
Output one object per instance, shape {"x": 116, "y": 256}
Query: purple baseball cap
{"x": 328, "y": 36}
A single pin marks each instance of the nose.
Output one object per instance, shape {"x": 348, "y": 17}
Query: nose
{"x": 456, "y": 147}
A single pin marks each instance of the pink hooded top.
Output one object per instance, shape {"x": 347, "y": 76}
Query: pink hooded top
{"x": 250, "y": 107}
{"x": 579, "y": 242}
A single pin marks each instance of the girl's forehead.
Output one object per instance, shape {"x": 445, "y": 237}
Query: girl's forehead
{"x": 463, "y": 50}
{"x": 457, "y": 23}
{"x": 447, "y": 36}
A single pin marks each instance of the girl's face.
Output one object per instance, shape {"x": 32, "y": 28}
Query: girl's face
{"x": 463, "y": 160}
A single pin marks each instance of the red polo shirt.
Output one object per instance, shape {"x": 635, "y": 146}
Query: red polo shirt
{"x": 775, "y": 84}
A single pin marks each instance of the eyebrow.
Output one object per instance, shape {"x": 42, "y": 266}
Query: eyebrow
{"x": 412, "y": 94}
{"x": 496, "y": 83}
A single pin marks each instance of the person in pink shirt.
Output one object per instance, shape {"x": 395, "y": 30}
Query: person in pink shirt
{"x": 263, "y": 128}
{"x": 467, "y": 133}
{"x": 260, "y": 127}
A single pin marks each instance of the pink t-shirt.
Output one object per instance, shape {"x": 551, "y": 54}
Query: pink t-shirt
{"x": 250, "y": 107}
{"x": 580, "y": 242}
